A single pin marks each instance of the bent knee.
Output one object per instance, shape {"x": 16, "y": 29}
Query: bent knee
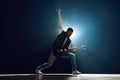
{"x": 49, "y": 65}
{"x": 72, "y": 54}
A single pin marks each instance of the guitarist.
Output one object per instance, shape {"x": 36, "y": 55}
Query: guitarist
{"x": 61, "y": 48}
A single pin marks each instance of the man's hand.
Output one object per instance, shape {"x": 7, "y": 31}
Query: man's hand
{"x": 58, "y": 10}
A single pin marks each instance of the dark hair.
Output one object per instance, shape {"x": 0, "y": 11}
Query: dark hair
{"x": 70, "y": 29}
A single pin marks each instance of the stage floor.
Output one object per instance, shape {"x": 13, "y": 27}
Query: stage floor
{"x": 60, "y": 77}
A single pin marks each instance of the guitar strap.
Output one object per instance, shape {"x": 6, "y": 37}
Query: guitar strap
{"x": 64, "y": 42}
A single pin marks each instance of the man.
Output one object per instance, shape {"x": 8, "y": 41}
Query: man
{"x": 61, "y": 48}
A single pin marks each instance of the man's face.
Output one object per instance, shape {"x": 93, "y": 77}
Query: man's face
{"x": 69, "y": 33}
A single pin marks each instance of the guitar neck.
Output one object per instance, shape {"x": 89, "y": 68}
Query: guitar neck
{"x": 64, "y": 50}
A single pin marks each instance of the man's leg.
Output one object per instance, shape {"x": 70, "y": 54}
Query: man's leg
{"x": 72, "y": 58}
{"x": 46, "y": 65}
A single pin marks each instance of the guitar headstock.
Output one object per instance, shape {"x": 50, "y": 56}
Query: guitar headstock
{"x": 83, "y": 47}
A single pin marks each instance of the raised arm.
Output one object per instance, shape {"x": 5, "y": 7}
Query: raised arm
{"x": 60, "y": 19}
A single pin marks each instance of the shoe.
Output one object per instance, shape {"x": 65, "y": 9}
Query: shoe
{"x": 38, "y": 72}
{"x": 76, "y": 72}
